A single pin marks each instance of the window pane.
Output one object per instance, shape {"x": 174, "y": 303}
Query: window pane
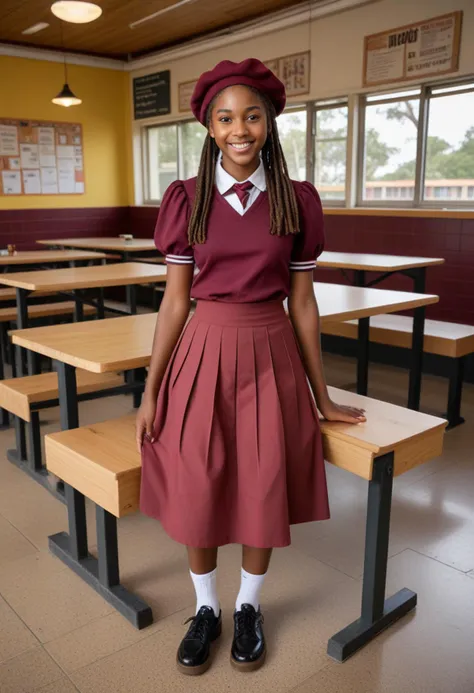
{"x": 449, "y": 172}
{"x": 390, "y": 150}
{"x": 162, "y": 159}
{"x": 191, "y": 143}
{"x": 330, "y": 153}
{"x": 292, "y": 131}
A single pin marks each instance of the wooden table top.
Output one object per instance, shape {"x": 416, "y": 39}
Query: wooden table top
{"x": 374, "y": 263}
{"x": 122, "y": 343}
{"x": 31, "y": 257}
{"x": 69, "y": 278}
{"x": 133, "y": 246}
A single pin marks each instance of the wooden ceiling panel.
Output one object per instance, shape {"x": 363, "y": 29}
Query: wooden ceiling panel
{"x": 111, "y": 35}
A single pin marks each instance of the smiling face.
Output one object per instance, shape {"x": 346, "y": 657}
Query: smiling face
{"x": 239, "y": 126}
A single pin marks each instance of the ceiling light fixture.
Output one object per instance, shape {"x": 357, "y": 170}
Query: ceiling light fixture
{"x": 35, "y": 28}
{"x": 133, "y": 25}
{"x": 65, "y": 97}
{"x": 76, "y": 11}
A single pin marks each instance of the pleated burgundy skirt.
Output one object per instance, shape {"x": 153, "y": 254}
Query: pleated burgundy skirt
{"x": 237, "y": 456}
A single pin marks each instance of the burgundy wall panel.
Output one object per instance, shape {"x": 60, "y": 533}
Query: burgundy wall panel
{"x": 452, "y": 239}
{"x": 24, "y": 227}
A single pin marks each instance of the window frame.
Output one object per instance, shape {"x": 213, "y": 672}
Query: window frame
{"x": 425, "y": 97}
{"x": 147, "y": 199}
{"x": 314, "y": 107}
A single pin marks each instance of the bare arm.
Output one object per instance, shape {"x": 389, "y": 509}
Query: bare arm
{"x": 174, "y": 312}
{"x": 304, "y": 316}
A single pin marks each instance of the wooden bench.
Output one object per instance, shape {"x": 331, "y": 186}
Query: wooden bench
{"x": 45, "y": 310}
{"x": 446, "y": 339}
{"x": 101, "y": 462}
{"x": 154, "y": 260}
{"x": 25, "y": 397}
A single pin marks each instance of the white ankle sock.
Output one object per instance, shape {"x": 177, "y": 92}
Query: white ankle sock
{"x": 206, "y": 590}
{"x": 250, "y": 587}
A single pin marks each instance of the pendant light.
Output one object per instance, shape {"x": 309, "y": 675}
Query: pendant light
{"x": 65, "y": 97}
{"x": 76, "y": 11}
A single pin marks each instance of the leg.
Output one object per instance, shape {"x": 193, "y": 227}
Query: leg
{"x": 455, "y": 392}
{"x": 4, "y": 417}
{"x": 414, "y": 391}
{"x": 248, "y": 646}
{"x": 22, "y": 324}
{"x": 79, "y": 308}
{"x": 136, "y": 375}
{"x": 419, "y": 280}
{"x": 359, "y": 277}
{"x": 100, "y": 305}
{"x": 102, "y": 574}
{"x": 35, "y": 462}
{"x": 377, "y": 613}
{"x": 131, "y": 291}
{"x": 363, "y": 356}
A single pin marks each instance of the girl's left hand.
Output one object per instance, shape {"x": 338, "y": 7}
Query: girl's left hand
{"x": 340, "y": 412}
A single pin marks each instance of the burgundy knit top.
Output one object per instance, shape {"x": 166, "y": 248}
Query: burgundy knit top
{"x": 240, "y": 262}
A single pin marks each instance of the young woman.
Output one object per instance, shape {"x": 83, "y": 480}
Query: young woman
{"x": 228, "y": 428}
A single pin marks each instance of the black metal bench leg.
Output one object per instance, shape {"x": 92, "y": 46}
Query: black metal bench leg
{"x": 363, "y": 343}
{"x": 456, "y": 377}
{"x": 35, "y": 461}
{"x": 4, "y": 416}
{"x": 414, "y": 388}
{"x": 136, "y": 375}
{"x": 19, "y": 455}
{"x": 131, "y": 292}
{"x": 377, "y": 613}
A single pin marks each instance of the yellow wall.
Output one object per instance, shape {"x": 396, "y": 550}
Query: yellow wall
{"x": 26, "y": 89}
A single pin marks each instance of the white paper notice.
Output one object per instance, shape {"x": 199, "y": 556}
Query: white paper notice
{"x": 29, "y": 155}
{"x": 49, "y": 181}
{"x": 47, "y": 155}
{"x": 11, "y": 182}
{"x": 76, "y": 139}
{"x": 14, "y": 163}
{"x": 79, "y": 186}
{"x": 8, "y": 140}
{"x": 32, "y": 182}
{"x": 66, "y": 175}
{"x": 46, "y": 136}
{"x": 62, "y": 139}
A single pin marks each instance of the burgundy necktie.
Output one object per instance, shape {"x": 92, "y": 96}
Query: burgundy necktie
{"x": 243, "y": 191}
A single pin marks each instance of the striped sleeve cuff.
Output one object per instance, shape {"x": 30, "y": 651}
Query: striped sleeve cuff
{"x": 302, "y": 266}
{"x": 179, "y": 260}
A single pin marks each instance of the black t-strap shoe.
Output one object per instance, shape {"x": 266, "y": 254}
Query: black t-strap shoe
{"x": 248, "y": 647}
{"x": 193, "y": 656}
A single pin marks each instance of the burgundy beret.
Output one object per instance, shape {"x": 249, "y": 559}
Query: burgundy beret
{"x": 250, "y": 72}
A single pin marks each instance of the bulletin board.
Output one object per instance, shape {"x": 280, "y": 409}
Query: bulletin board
{"x": 41, "y": 158}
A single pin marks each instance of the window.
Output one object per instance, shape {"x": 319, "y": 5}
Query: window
{"x": 389, "y": 149}
{"x": 450, "y": 142}
{"x": 173, "y": 151}
{"x": 330, "y": 149}
{"x": 292, "y": 133}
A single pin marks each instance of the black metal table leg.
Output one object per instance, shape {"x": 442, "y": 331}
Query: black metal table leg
{"x": 414, "y": 389}
{"x": 131, "y": 291}
{"x": 456, "y": 377}
{"x": 363, "y": 343}
{"x": 100, "y": 305}
{"x": 79, "y": 307}
{"x": 359, "y": 277}
{"x": 101, "y": 574}
{"x": 136, "y": 375}
{"x": 419, "y": 280}
{"x": 377, "y": 613}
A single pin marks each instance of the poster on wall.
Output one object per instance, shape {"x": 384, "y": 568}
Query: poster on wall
{"x": 414, "y": 51}
{"x": 40, "y": 158}
{"x": 292, "y": 70}
{"x": 151, "y": 95}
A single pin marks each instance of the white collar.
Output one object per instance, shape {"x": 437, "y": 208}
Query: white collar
{"x": 224, "y": 181}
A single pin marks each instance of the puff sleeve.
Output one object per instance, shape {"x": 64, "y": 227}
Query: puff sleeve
{"x": 171, "y": 230}
{"x": 309, "y": 242}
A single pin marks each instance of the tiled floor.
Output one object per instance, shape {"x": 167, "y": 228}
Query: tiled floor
{"x": 58, "y": 636}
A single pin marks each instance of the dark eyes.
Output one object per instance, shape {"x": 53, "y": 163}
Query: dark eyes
{"x": 252, "y": 117}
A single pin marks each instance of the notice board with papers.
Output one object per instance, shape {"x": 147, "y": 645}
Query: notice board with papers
{"x": 41, "y": 158}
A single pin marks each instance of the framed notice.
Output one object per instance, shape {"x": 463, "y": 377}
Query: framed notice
{"x": 151, "y": 95}
{"x": 413, "y": 51}
{"x": 185, "y": 91}
{"x": 292, "y": 70}
{"x": 41, "y": 158}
